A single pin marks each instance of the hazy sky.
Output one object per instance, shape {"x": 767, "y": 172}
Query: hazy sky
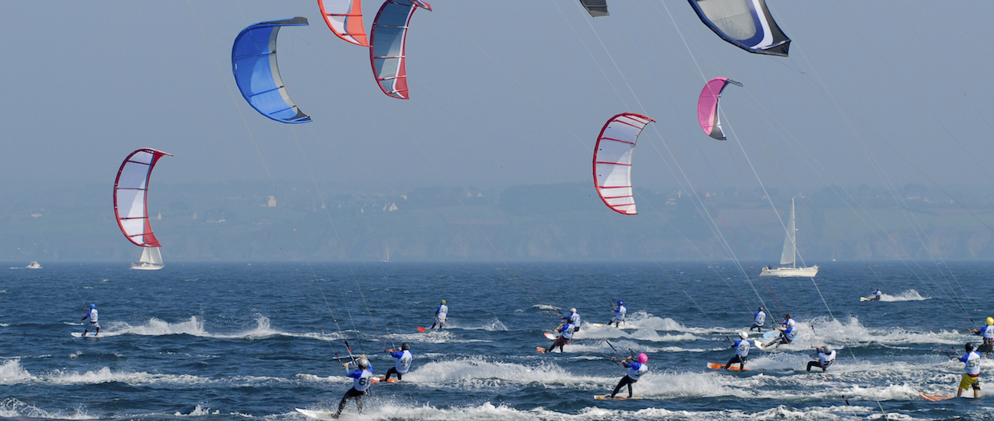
{"x": 504, "y": 93}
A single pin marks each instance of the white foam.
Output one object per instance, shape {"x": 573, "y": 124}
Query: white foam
{"x": 477, "y": 372}
{"x": 909, "y": 295}
{"x": 386, "y": 409}
{"x": 494, "y": 324}
{"x": 644, "y": 333}
{"x": 198, "y": 411}
{"x": 11, "y": 372}
{"x": 12, "y": 408}
{"x": 836, "y": 332}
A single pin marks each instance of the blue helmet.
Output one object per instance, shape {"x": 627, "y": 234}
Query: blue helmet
{"x": 92, "y": 306}
{"x": 620, "y": 302}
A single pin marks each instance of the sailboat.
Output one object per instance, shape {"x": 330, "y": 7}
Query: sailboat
{"x": 151, "y": 259}
{"x": 788, "y": 260}
{"x": 386, "y": 257}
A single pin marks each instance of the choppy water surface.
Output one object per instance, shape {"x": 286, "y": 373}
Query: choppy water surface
{"x": 240, "y": 341}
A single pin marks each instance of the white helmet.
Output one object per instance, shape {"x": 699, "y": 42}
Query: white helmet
{"x": 743, "y": 335}
{"x": 790, "y": 323}
{"x": 362, "y": 363}
{"x": 572, "y": 310}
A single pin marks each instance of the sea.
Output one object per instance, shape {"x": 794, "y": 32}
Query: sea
{"x": 254, "y": 341}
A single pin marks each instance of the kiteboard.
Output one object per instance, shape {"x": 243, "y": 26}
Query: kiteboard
{"x": 864, "y": 299}
{"x": 716, "y": 366}
{"x": 935, "y": 398}
{"x": 421, "y": 329}
{"x": 769, "y": 335}
{"x": 380, "y": 379}
{"x": 616, "y": 398}
{"x": 540, "y": 349}
{"x": 551, "y": 336}
{"x": 759, "y": 344}
{"x": 80, "y": 335}
{"x": 319, "y": 415}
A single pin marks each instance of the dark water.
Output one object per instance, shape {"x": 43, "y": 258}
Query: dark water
{"x": 238, "y": 341}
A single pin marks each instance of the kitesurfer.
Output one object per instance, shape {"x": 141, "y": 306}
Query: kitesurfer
{"x": 877, "y": 295}
{"x": 440, "y": 313}
{"x": 635, "y": 371}
{"x": 575, "y": 317}
{"x": 972, "y": 376}
{"x": 404, "y": 359}
{"x": 826, "y": 356}
{"x": 565, "y": 330}
{"x": 619, "y": 314}
{"x": 786, "y": 335}
{"x": 741, "y": 347}
{"x": 94, "y": 322}
{"x": 758, "y": 320}
{"x": 987, "y": 331}
{"x": 361, "y": 378}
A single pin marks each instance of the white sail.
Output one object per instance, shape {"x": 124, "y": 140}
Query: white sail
{"x": 789, "y": 244}
{"x": 788, "y": 260}
{"x": 151, "y": 259}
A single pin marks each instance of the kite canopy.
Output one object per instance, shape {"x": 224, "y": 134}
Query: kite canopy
{"x": 707, "y": 106}
{"x": 613, "y": 161}
{"x": 344, "y": 18}
{"x": 596, "y": 8}
{"x": 389, "y": 39}
{"x": 253, "y": 60}
{"x": 746, "y": 24}
{"x": 130, "y": 196}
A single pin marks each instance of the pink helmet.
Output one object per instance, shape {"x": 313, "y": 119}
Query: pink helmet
{"x": 643, "y": 358}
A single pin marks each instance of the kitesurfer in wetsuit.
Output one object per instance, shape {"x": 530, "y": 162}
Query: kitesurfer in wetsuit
{"x": 877, "y": 295}
{"x": 741, "y": 347}
{"x": 94, "y": 322}
{"x": 362, "y": 376}
{"x": 575, "y": 317}
{"x": 758, "y": 320}
{"x": 565, "y": 334}
{"x": 404, "y": 359}
{"x": 826, "y": 356}
{"x": 987, "y": 331}
{"x": 635, "y": 371}
{"x": 972, "y": 376}
{"x": 440, "y": 314}
{"x": 619, "y": 314}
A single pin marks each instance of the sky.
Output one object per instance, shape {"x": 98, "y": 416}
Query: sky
{"x": 882, "y": 93}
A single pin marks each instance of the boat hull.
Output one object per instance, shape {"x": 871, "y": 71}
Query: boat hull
{"x": 146, "y": 267}
{"x": 791, "y": 272}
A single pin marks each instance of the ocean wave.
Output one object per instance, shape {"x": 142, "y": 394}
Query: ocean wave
{"x": 12, "y": 408}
